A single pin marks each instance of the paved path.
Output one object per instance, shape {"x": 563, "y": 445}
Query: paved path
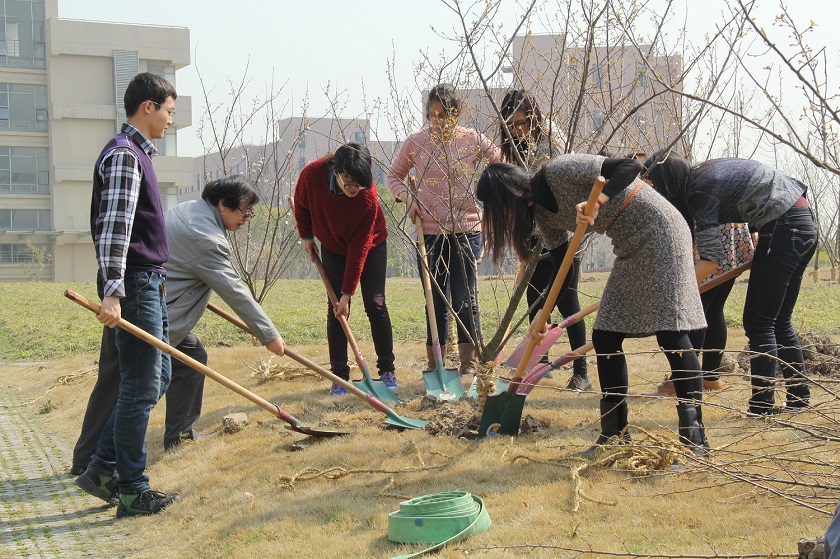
{"x": 42, "y": 513}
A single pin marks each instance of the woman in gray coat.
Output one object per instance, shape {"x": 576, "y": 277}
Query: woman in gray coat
{"x": 651, "y": 289}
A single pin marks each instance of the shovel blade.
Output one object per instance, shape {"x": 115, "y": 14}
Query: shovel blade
{"x": 491, "y": 418}
{"x": 552, "y": 335}
{"x": 512, "y": 415}
{"x": 376, "y": 388}
{"x": 315, "y": 432}
{"x": 443, "y": 384}
{"x": 501, "y": 386}
{"x": 402, "y": 422}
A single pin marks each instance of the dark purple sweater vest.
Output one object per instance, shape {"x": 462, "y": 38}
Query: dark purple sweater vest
{"x": 147, "y": 249}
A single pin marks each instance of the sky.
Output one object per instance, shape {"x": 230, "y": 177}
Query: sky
{"x": 335, "y": 44}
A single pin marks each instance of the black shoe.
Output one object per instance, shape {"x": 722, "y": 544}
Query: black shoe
{"x": 147, "y": 502}
{"x": 100, "y": 486}
{"x": 77, "y": 470}
{"x": 579, "y": 383}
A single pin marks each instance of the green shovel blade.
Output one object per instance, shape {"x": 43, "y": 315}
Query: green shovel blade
{"x": 443, "y": 384}
{"x": 375, "y": 388}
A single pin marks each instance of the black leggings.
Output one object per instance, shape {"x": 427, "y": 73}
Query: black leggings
{"x": 712, "y": 340}
{"x": 612, "y": 364}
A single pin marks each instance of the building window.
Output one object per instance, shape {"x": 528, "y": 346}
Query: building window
{"x": 23, "y": 107}
{"x": 24, "y": 170}
{"x": 19, "y": 253}
{"x": 641, "y": 121}
{"x": 598, "y": 121}
{"x": 168, "y": 145}
{"x": 598, "y": 76}
{"x": 166, "y": 71}
{"x": 25, "y": 220}
{"x": 22, "y": 44}
{"x": 641, "y": 75}
{"x": 359, "y": 137}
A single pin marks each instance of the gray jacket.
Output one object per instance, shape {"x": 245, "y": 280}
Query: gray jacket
{"x": 200, "y": 263}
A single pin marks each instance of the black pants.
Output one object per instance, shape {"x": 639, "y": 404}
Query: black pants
{"x": 102, "y": 401}
{"x": 372, "y": 286}
{"x": 612, "y": 364}
{"x": 567, "y": 302}
{"x": 712, "y": 340}
{"x": 103, "y": 397}
{"x": 185, "y": 394}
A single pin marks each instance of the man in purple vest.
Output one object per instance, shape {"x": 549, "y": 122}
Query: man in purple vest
{"x": 129, "y": 236}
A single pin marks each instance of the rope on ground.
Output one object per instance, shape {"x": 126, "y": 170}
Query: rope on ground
{"x": 63, "y": 380}
{"x": 268, "y": 370}
{"x": 11, "y": 406}
{"x": 337, "y": 472}
{"x": 70, "y": 378}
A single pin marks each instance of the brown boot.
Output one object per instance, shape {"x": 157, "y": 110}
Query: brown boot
{"x": 469, "y": 360}
{"x": 666, "y": 389}
{"x": 712, "y": 385}
{"x": 430, "y": 358}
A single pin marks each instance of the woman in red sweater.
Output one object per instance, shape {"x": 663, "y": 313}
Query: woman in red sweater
{"x": 336, "y": 202}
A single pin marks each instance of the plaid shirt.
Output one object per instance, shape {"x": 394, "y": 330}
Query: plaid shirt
{"x": 121, "y": 176}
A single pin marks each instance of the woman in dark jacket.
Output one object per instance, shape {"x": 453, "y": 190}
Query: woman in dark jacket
{"x": 740, "y": 190}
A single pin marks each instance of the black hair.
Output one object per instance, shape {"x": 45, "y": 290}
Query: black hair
{"x": 447, "y": 96}
{"x": 520, "y": 100}
{"x": 147, "y": 87}
{"x": 233, "y": 191}
{"x": 508, "y": 221}
{"x": 354, "y": 160}
{"x": 670, "y": 174}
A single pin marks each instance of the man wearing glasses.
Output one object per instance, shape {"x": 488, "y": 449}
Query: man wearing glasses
{"x": 336, "y": 201}
{"x": 129, "y": 237}
{"x": 200, "y": 264}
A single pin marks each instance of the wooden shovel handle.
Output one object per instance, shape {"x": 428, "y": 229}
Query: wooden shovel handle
{"x": 334, "y": 300}
{"x": 348, "y": 386}
{"x": 186, "y": 359}
{"x": 565, "y": 265}
{"x": 427, "y": 281}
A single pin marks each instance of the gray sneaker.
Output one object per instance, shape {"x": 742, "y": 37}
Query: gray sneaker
{"x": 579, "y": 383}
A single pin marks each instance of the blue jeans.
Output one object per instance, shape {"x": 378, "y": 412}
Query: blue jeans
{"x": 144, "y": 376}
{"x": 785, "y": 246}
{"x": 453, "y": 268}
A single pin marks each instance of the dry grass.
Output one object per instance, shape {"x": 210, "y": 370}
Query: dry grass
{"x": 768, "y": 483}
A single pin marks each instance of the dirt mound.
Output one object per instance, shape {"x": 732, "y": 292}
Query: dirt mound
{"x": 821, "y": 353}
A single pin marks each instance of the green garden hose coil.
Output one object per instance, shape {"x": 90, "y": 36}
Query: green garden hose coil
{"x": 438, "y": 518}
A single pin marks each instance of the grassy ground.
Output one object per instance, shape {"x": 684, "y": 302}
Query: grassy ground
{"x": 40, "y": 324}
{"x": 268, "y": 492}
{"x": 767, "y": 483}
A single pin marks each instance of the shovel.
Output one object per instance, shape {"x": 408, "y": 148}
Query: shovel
{"x": 293, "y": 423}
{"x": 393, "y": 417}
{"x": 495, "y": 406}
{"x": 509, "y": 409}
{"x": 441, "y": 383}
{"x": 552, "y": 335}
{"x": 367, "y": 384}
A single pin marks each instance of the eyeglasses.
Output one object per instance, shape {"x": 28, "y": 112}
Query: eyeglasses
{"x": 171, "y": 112}
{"x": 349, "y": 185}
{"x": 247, "y": 214}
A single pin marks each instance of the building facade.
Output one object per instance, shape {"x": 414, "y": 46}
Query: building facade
{"x": 61, "y": 99}
{"x": 275, "y": 167}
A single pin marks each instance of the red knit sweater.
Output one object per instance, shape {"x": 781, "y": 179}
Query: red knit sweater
{"x": 346, "y": 226}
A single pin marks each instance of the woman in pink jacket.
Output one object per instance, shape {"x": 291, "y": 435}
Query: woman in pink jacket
{"x": 447, "y": 160}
